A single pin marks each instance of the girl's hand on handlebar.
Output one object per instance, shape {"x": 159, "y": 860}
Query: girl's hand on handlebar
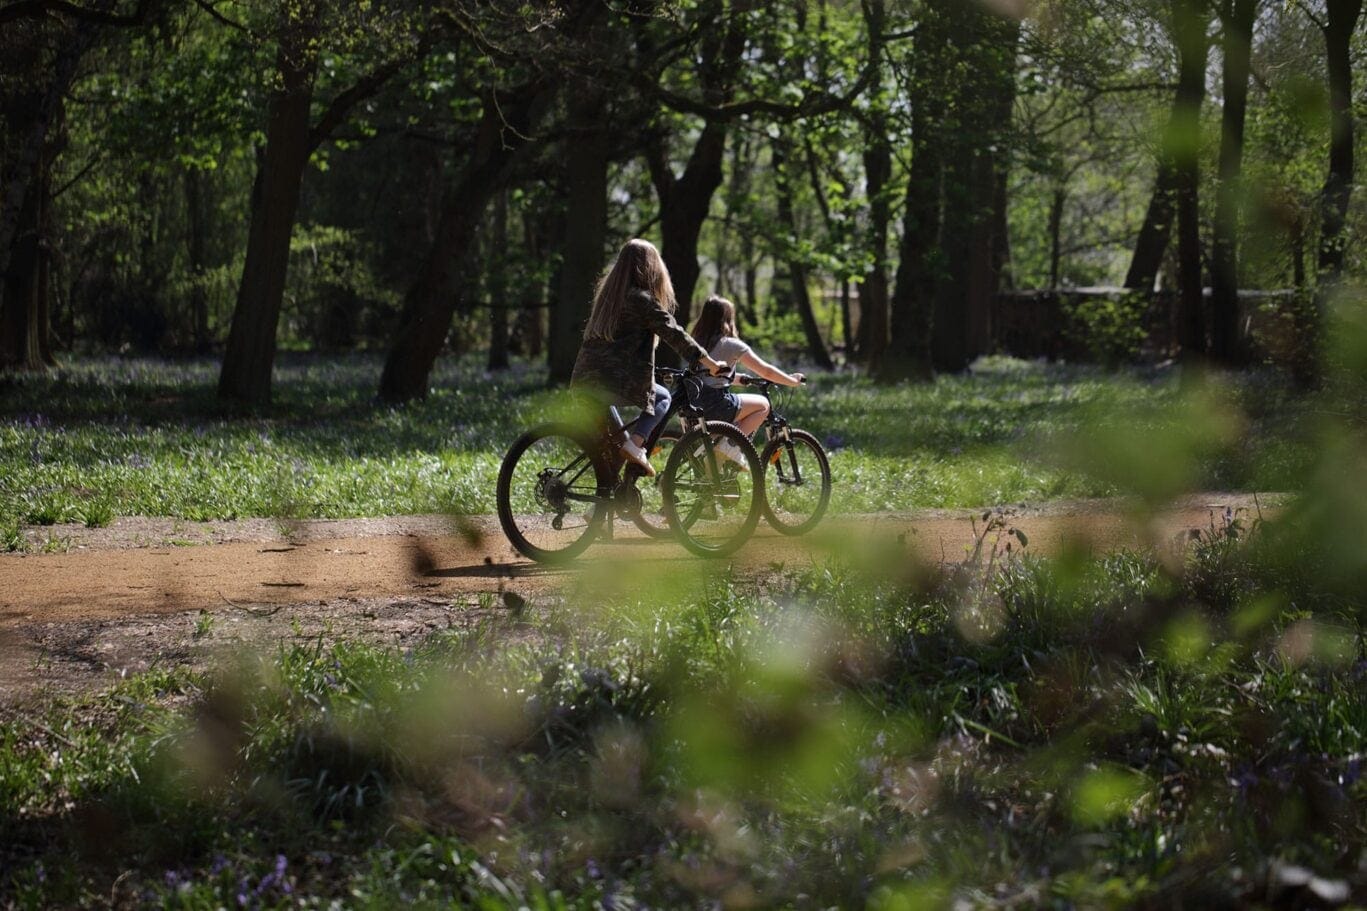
{"x": 716, "y": 368}
{"x": 799, "y": 379}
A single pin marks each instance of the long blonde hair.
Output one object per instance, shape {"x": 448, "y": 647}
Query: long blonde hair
{"x": 638, "y": 265}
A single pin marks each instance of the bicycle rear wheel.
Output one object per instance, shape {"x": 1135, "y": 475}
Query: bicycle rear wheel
{"x": 554, "y": 491}
{"x": 651, "y": 519}
{"x": 797, "y": 482}
{"x": 711, "y": 504}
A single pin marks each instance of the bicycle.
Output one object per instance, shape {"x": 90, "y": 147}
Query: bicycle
{"x": 560, "y": 483}
{"x": 797, "y": 485}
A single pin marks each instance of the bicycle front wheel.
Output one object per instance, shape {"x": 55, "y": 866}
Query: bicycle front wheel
{"x": 797, "y": 482}
{"x": 712, "y": 503}
{"x": 554, "y": 491}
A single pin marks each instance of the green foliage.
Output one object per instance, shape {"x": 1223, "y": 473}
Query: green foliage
{"x": 328, "y": 450}
{"x": 840, "y": 735}
{"x": 1111, "y": 329}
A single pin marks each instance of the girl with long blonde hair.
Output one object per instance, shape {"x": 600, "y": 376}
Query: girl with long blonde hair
{"x": 633, "y": 307}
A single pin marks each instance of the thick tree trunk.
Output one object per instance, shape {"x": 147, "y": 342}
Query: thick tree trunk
{"x": 684, "y": 204}
{"x": 432, "y": 300}
{"x": 250, "y": 354}
{"x": 24, "y": 323}
{"x": 1237, "y": 17}
{"x": 1185, "y": 142}
{"x": 1342, "y": 22}
{"x": 586, "y": 217}
{"x": 31, "y": 121}
{"x": 986, "y": 44}
{"x": 800, "y": 297}
{"x": 912, "y": 307}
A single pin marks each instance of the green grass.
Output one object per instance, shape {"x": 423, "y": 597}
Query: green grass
{"x": 1094, "y": 733}
{"x": 103, "y": 438}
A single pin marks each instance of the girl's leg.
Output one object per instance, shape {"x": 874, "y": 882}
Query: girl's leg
{"x": 648, "y": 422}
{"x": 752, "y": 412}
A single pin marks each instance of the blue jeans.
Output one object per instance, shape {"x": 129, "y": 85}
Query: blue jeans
{"x": 648, "y": 422}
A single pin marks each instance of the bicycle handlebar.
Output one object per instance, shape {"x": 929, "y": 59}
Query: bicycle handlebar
{"x": 675, "y": 373}
{"x": 744, "y": 379}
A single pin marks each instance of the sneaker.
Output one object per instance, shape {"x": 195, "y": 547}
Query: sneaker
{"x": 729, "y": 451}
{"x": 638, "y": 456}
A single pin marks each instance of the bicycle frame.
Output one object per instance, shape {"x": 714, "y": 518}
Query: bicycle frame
{"x": 776, "y": 426}
{"x": 690, "y": 418}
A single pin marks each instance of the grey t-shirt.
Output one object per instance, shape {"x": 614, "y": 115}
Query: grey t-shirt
{"x": 730, "y": 350}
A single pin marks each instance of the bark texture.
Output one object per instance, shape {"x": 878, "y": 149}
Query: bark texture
{"x": 582, "y": 247}
{"x": 250, "y": 355}
{"x": 1237, "y": 17}
{"x": 432, "y": 300}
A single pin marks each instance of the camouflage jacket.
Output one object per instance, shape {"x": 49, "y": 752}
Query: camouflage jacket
{"x": 622, "y": 369}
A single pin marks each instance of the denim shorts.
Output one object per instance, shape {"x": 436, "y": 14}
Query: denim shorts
{"x": 718, "y": 404}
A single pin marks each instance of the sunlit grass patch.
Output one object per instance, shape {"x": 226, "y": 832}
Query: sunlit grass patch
{"x": 110, "y": 437}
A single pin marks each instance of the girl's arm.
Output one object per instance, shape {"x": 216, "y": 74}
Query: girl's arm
{"x": 768, "y": 371}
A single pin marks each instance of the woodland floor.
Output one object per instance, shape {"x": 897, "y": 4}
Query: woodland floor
{"x": 145, "y": 593}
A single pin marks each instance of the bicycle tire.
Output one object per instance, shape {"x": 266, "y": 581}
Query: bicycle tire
{"x": 695, "y": 492}
{"x": 778, "y": 456}
{"x": 519, "y": 528}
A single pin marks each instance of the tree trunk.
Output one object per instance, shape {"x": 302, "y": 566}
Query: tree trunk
{"x": 1237, "y": 18}
{"x": 1338, "y": 186}
{"x": 1154, "y": 234}
{"x": 1297, "y": 242}
{"x": 30, "y": 121}
{"x": 586, "y": 225}
{"x": 985, "y": 45}
{"x": 195, "y": 247}
{"x": 873, "y": 294}
{"x": 24, "y": 324}
{"x": 1179, "y": 145}
{"x": 912, "y": 308}
{"x": 797, "y": 270}
{"x": 847, "y": 322}
{"x": 1056, "y": 203}
{"x": 431, "y": 301}
{"x": 250, "y": 354}
{"x": 1185, "y": 143}
{"x": 684, "y": 204}
{"x": 498, "y": 288}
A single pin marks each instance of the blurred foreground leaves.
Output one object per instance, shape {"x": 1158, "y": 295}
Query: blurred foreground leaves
{"x": 1183, "y": 724}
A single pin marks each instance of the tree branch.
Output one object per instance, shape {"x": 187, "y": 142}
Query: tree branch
{"x": 224, "y": 20}
{"x": 32, "y": 9}
{"x": 366, "y": 86}
{"x": 724, "y": 113}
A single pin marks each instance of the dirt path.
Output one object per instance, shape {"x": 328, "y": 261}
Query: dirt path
{"x": 143, "y": 591}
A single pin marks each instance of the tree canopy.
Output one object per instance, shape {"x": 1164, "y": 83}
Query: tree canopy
{"x": 897, "y": 185}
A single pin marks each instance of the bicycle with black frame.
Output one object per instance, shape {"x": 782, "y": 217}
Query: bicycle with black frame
{"x": 562, "y": 484}
{"x": 797, "y": 472}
